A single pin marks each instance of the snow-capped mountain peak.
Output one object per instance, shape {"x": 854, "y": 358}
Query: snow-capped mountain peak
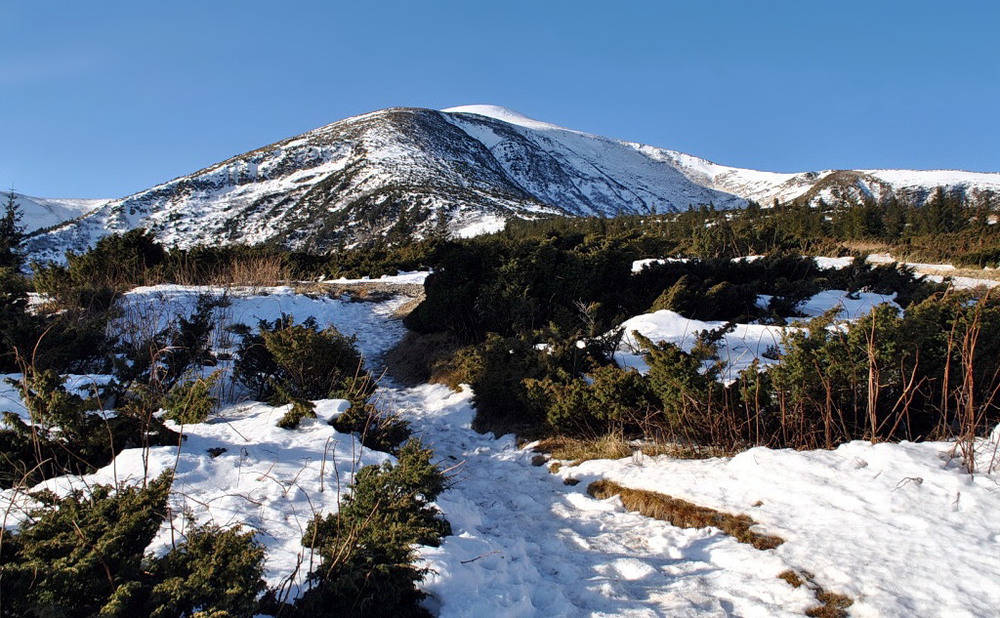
{"x": 404, "y": 172}
{"x": 504, "y": 114}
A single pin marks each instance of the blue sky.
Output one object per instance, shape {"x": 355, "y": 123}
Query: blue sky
{"x": 101, "y": 99}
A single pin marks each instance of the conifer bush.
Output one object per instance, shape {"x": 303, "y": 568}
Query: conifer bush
{"x": 610, "y": 400}
{"x": 84, "y": 555}
{"x": 300, "y": 409}
{"x": 14, "y": 320}
{"x": 78, "y": 553}
{"x": 66, "y": 433}
{"x": 93, "y": 279}
{"x": 367, "y": 560}
{"x": 376, "y": 428}
{"x": 192, "y": 401}
{"x": 215, "y": 572}
{"x": 162, "y": 359}
{"x": 306, "y": 362}
{"x": 688, "y": 396}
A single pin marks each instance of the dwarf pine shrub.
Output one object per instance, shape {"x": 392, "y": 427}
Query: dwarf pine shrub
{"x": 66, "y": 433}
{"x": 192, "y": 401}
{"x": 77, "y": 553}
{"x": 301, "y": 408}
{"x": 93, "y": 279}
{"x": 377, "y": 429}
{"x": 163, "y": 359}
{"x": 215, "y": 572}
{"x": 305, "y": 361}
{"x": 610, "y": 400}
{"x": 83, "y": 555}
{"x": 367, "y": 561}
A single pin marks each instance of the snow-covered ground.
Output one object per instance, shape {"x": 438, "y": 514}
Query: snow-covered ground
{"x": 901, "y": 528}
{"x": 934, "y": 272}
{"x": 740, "y": 347}
{"x": 526, "y": 544}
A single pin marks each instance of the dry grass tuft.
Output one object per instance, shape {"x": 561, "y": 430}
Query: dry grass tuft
{"x": 792, "y": 578}
{"x": 578, "y": 451}
{"x": 684, "y": 514}
{"x": 833, "y": 605}
{"x": 615, "y": 446}
{"x": 255, "y": 272}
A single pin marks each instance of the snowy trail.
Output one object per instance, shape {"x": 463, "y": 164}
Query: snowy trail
{"x": 526, "y": 544}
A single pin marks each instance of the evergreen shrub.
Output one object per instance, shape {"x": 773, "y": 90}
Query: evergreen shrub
{"x": 367, "y": 560}
{"x": 306, "y": 362}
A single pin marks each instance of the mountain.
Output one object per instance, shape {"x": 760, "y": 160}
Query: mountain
{"x": 39, "y": 212}
{"x": 403, "y": 171}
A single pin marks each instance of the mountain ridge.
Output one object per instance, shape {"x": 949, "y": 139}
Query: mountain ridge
{"x": 413, "y": 171}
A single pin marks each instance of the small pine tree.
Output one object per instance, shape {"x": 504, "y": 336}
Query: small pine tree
{"x": 11, "y": 234}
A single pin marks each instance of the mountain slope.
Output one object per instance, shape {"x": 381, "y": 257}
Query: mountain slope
{"x": 404, "y": 171}
{"x": 40, "y": 212}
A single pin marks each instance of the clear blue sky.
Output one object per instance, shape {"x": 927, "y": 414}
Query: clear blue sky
{"x": 101, "y": 99}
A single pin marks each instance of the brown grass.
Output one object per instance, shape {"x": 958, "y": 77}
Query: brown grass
{"x": 417, "y": 358}
{"x": 614, "y": 446}
{"x": 263, "y": 271}
{"x": 792, "y": 578}
{"x": 832, "y": 604}
{"x": 684, "y": 514}
{"x": 578, "y": 451}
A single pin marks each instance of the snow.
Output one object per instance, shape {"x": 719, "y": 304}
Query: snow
{"x": 852, "y": 305}
{"x": 933, "y": 272}
{"x": 738, "y": 348}
{"x": 477, "y": 226}
{"x": 932, "y": 178}
{"x": 885, "y": 258}
{"x": 505, "y": 114}
{"x": 415, "y": 277}
{"x": 900, "y": 528}
{"x": 269, "y": 479}
{"x": 526, "y": 544}
{"x": 152, "y": 307}
{"x": 638, "y": 265}
{"x": 39, "y": 212}
{"x": 833, "y": 263}
{"x": 746, "y": 343}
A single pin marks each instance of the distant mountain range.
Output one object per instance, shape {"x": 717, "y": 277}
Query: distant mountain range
{"x": 40, "y": 212}
{"x": 410, "y": 171}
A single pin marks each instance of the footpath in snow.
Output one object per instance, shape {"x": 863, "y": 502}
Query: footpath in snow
{"x": 900, "y": 528}
{"x": 526, "y": 544}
